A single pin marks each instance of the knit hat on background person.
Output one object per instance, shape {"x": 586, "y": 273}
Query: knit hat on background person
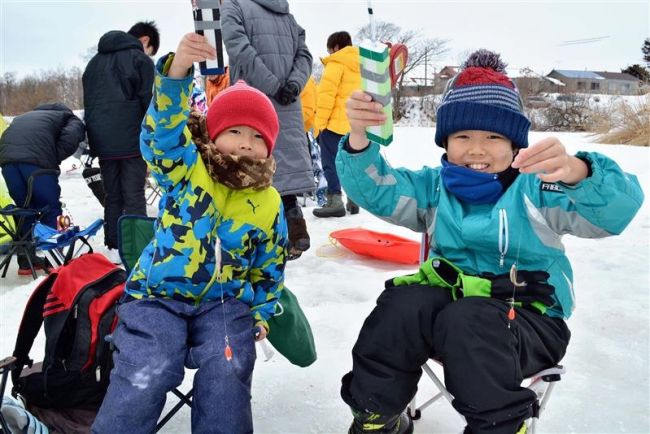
{"x": 482, "y": 97}
{"x": 242, "y": 104}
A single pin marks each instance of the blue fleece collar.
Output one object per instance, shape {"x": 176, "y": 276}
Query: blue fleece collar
{"x": 475, "y": 187}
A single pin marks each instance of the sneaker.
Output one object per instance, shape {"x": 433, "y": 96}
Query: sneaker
{"x": 113, "y": 255}
{"x": 372, "y": 423}
{"x": 38, "y": 263}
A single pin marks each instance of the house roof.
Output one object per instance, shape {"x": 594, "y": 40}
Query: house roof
{"x": 579, "y": 74}
{"x": 617, "y": 76}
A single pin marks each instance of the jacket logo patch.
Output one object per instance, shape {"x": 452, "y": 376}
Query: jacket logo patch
{"x": 551, "y": 187}
{"x": 250, "y": 202}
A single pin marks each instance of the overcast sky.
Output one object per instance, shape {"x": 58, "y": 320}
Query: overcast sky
{"x": 542, "y": 35}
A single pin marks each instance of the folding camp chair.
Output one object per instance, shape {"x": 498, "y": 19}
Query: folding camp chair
{"x": 152, "y": 190}
{"x": 21, "y": 240}
{"x": 133, "y": 234}
{"x": 61, "y": 244}
{"x": 542, "y": 383}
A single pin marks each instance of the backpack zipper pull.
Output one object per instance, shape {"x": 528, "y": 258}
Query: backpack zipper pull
{"x": 76, "y": 310}
{"x": 98, "y": 374}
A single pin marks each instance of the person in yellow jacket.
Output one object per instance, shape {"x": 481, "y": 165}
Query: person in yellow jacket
{"x": 308, "y": 100}
{"x": 340, "y": 78}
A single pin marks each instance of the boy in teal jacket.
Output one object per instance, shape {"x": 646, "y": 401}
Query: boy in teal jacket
{"x": 494, "y": 213}
{"x": 204, "y": 288}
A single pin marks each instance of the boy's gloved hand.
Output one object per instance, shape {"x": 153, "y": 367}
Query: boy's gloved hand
{"x": 288, "y": 93}
{"x": 536, "y": 289}
{"x": 442, "y": 273}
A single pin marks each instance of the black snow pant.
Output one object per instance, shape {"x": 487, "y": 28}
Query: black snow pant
{"x": 484, "y": 360}
{"x": 124, "y": 181}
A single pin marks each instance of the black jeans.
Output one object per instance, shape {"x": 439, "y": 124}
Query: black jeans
{"x": 484, "y": 359}
{"x": 124, "y": 186}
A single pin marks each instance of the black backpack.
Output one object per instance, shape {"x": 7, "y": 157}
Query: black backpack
{"x": 76, "y": 303}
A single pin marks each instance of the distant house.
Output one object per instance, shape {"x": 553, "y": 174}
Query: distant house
{"x": 617, "y": 83}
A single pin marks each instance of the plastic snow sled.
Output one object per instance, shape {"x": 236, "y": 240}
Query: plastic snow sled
{"x": 379, "y": 245}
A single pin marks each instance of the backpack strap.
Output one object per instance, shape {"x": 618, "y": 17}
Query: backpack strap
{"x": 30, "y": 326}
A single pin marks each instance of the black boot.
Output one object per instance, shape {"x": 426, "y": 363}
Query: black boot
{"x": 298, "y": 236}
{"x": 38, "y": 263}
{"x": 373, "y": 423}
{"x": 352, "y": 207}
{"x": 333, "y": 208}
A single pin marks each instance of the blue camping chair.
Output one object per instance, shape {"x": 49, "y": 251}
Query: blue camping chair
{"x": 61, "y": 245}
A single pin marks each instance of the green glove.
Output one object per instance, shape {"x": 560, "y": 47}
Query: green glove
{"x": 443, "y": 273}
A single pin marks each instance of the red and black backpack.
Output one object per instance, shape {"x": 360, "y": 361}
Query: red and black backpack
{"x": 76, "y": 303}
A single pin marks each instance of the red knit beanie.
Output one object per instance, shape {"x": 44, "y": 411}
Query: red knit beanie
{"x": 241, "y": 104}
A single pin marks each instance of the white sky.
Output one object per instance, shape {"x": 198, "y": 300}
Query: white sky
{"x": 42, "y": 35}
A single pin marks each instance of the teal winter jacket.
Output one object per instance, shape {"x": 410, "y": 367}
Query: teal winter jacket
{"x": 525, "y": 226}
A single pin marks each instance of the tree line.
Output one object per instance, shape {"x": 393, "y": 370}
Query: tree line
{"x": 22, "y": 95}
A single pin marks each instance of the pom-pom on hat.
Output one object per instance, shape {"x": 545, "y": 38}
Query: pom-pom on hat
{"x": 482, "y": 97}
{"x": 242, "y": 104}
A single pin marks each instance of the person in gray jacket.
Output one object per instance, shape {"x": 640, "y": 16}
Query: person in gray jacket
{"x": 266, "y": 48}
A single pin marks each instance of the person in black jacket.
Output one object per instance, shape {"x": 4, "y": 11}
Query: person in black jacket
{"x": 118, "y": 83}
{"x": 39, "y": 139}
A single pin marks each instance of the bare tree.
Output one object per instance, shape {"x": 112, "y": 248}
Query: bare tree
{"x": 20, "y": 96}
{"x": 421, "y": 50}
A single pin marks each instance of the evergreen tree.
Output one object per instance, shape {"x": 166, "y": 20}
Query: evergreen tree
{"x": 639, "y": 72}
{"x": 646, "y": 51}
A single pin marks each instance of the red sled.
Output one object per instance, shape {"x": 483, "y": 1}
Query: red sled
{"x": 379, "y": 245}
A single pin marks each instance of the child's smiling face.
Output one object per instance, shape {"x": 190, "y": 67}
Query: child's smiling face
{"x": 483, "y": 151}
{"x": 241, "y": 140}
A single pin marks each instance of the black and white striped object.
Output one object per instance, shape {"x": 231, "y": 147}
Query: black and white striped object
{"x": 206, "y": 23}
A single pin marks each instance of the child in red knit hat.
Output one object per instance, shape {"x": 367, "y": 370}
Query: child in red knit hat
{"x": 203, "y": 289}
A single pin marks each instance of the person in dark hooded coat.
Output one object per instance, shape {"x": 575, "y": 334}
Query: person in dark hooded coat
{"x": 118, "y": 83}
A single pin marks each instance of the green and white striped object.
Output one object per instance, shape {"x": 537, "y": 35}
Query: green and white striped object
{"x": 375, "y": 81}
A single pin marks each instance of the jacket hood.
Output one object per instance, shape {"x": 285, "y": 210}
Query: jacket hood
{"x": 57, "y": 106}
{"x": 117, "y": 40}
{"x": 347, "y": 56}
{"x": 277, "y": 6}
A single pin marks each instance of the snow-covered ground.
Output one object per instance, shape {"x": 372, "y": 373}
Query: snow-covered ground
{"x": 605, "y": 389}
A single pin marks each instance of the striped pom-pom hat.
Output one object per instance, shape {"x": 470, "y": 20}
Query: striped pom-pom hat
{"x": 482, "y": 97}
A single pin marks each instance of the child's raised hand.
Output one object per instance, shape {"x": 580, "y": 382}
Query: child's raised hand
{"x": 192, "y": 48}
{"x": 549, "y": 160}
{"x": 362, "y": 112}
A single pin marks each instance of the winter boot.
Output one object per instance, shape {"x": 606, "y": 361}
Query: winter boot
{"x": 38, "y": 263}
{"x": 352, "y": 207}
{"x": 333, "y": 208}
{"x": 373, "y": 423}
{"x": 298, "y": 237}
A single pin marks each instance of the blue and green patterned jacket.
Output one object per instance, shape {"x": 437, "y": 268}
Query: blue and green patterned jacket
{"x": 197, "y": 215}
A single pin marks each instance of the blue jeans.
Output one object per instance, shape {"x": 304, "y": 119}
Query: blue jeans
{"x": 155, "y": 340}
{"x": 45, "y": 191}
{"x": 329, "y": 146}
